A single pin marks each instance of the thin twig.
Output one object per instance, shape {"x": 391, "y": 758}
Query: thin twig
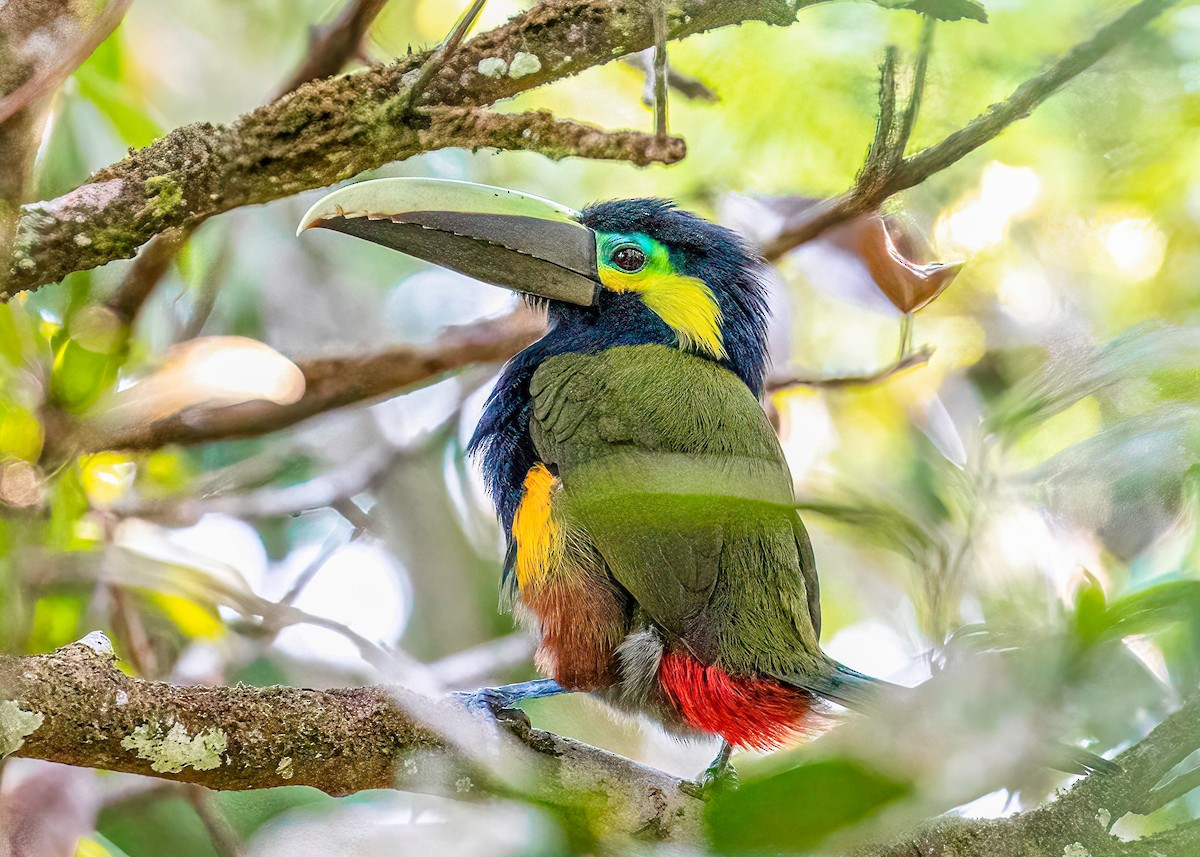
{"x": 869, "y": 191}
{"x": 332, "y": 545}
{"x": 909, "y": 121}
{"x": 221, "y": 834}
{"x": 877, "y": 155}
{"x": 335, "y": 44}
{"x": 659, "y": 10}
{"x": 132, "y": 631}
{"x": 443, "y": 52}
{"x": 485, "y": 662}
{"x": 915, "y": 358}
{"x": 684, "y": 84}
{"x": 353, "y": 513}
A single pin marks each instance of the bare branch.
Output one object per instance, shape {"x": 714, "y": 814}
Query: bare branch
{"x": 661, "y": 74}
{"x": 919, "y": 357}
{"x": 872, "y": 188}
{"x": 332, "y": 382}
{"x": 442, "y": 53}
{"x": 331, "y": 130}
{"x": 335, "y": 44}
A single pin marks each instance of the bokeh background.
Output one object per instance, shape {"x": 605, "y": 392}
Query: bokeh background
{"x": 982, "y": 515}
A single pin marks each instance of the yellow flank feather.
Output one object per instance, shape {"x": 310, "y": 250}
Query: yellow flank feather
{"x": 539, "y": 537}
{"x": 686, "y": 304}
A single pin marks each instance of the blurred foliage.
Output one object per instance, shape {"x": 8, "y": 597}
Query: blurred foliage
{"x": 1026, "y": 505}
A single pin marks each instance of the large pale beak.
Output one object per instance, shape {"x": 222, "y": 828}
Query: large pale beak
{"x": 503, "y": 237}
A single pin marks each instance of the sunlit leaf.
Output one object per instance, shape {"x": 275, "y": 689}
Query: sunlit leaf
{"x": 106, "y": 477}
{"x": 1153, "y": 608}
{"x": 10, "y": 340}
{"x": 86, "y": 363}
{"x": 20, "y": 433}
{"x": 97, "y": 846}
{"x": 797, "y": 809}
{"x": 195, "y": 621}
{"x": 131, "y": 122}
{"x": 1090, "y": 607}
{"x": 209, "y": 372}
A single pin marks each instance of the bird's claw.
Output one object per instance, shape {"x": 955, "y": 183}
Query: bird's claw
{"x": 495, "y": 706}
{"x": 718, "y": 777}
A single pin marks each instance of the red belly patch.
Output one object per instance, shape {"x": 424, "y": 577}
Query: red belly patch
{"x": 756, "y": 713}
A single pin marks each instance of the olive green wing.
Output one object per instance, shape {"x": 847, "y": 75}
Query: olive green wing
{"x": 662, "y": 456}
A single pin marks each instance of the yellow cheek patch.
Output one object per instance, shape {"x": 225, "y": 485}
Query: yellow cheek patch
{"x": 686, "y": 304}
{"x": 540, "y": 542}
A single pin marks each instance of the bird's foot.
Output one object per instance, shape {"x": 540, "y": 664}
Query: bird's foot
{"x": 718, "y": 777}
{"x": 495, "y": 706}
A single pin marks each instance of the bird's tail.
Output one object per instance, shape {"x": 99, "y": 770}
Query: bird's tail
{"x": 854, "y": 690}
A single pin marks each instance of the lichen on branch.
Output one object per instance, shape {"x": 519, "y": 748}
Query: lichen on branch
{"x": 75, "y": 707}
{"x": 330, "y": 130}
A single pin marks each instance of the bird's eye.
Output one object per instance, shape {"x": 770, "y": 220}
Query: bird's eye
{"x": 629, "y": 259}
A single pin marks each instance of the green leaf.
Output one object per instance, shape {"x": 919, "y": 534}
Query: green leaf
{"x": 104, "y": 80}
{"x": 1090, "y": 608}
{"x": 86, "y": 363}
{"x": 943, "y": 10}
{"x": 796, "y": 810}
{"x": 1153, "y": 608}
{"x": 134, "y": 126}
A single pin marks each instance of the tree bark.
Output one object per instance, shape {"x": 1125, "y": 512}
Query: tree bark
{"x": 75, "y": 707}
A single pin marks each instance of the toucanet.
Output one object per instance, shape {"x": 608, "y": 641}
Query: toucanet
{"x": 653, "y": 539}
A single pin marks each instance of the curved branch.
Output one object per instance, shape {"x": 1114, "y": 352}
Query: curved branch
{"x": 920, "y": 357}
{"x": 330, "y": 130}
{"x": 330, "y": 382}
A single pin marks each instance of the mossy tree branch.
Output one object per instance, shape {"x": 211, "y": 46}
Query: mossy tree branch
{"x": 75, "y": 707}
{"x": 333, "y": 129}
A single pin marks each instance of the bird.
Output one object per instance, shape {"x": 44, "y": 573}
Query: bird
{"x": 653, "y": 539}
